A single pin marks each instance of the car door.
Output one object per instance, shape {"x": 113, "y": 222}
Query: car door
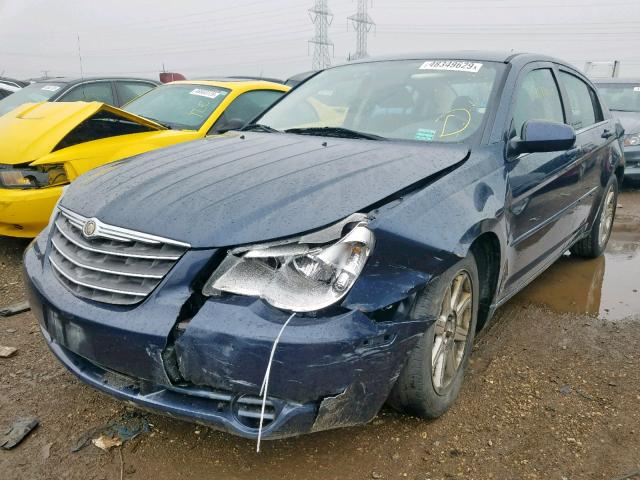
{"x": 96, "y": 91}
{"x": 127, "y": 90}
{"x": 540, "y": 185}
{"x": 593, "y": 134}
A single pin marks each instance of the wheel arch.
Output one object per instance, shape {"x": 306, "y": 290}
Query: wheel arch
{"x": 487, "y": 252}
{"x": 619, "y": 173}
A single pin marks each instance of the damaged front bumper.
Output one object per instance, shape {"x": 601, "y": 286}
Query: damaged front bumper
{"x": 331, "y": 370}
{"x": 24, "y": 213}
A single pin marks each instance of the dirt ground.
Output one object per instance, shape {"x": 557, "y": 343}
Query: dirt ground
{"x": 552, "y": 393}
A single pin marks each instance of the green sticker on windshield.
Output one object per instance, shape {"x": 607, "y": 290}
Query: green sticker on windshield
{"x": 425, "y": 135}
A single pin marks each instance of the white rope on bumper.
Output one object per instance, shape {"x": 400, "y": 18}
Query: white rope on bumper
{"x": 264, "y": 390}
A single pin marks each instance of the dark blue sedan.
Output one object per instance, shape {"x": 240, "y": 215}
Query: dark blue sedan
{"x": 340, "y": 252}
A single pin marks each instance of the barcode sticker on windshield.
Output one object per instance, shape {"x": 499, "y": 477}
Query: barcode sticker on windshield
{"x": 51, "y": 88}
{"x": 636, "y": 89}
{"x": 451, "y": 65}
{"x": 201, "y": 92}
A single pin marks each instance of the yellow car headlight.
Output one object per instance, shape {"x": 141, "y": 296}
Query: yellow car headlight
{"x": 33, "y": 177}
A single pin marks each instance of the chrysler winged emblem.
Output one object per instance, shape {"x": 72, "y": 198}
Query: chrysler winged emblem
{"x": 89, "y": 228}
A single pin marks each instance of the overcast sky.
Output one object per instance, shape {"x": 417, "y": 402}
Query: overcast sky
{"x": 214, "y": 37}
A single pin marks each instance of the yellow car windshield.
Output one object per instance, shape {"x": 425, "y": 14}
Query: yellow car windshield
{"x": 179, "y": 106}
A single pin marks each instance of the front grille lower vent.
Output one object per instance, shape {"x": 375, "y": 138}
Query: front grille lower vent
{"x": 247, "y": 409}
{"x": 109, "y": 264}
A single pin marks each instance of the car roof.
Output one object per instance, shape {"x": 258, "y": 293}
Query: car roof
{"x": 20, "y": 83}
{"x": 234, "y": 84}
{"x": 240, "y": 78}
{"x": 215, "y": 78}
{"x": 8, "y": 86}
{"x": 302, "y": 76}
{"x": 75, "y": 80}
{"x": 475, "y": 55}
{"x": 615, "y": 80}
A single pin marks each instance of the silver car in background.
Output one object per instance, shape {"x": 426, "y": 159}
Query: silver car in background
{"x": 623, "y": 97}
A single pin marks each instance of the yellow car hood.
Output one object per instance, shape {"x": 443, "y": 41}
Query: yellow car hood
{"x": 34, "y": 130}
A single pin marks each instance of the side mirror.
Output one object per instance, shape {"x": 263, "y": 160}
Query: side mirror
{"x": 226, "y": 125}
{"x": 543, "y": 136}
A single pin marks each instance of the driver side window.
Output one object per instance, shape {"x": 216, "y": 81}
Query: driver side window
{"x": 246, "y": 107}
{"x": 90, "y": 92}
{"x": 537, "y": 98}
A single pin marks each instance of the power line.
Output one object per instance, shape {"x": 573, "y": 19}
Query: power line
{"x": 536, "y": 5}
{"x": 362, "y": 24}
{"x": 321, "y": 17}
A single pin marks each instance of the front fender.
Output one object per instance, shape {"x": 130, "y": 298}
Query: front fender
{"x": 422, "y": 234}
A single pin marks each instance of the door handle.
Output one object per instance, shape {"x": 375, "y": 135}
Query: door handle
{"x": 607, "y": 133}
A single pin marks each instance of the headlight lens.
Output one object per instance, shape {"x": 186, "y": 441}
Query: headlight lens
{"x": 33, "y": 177}
{"x": 300, "y": 276}
{"x": 632, "y": 140}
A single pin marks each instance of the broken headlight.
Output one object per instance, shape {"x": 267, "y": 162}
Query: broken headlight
{"x": 300, "y": 275}
{"x": 33, "y": 177}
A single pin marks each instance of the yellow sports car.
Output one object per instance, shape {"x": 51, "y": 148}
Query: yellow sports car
{"x": 47, "y": 145}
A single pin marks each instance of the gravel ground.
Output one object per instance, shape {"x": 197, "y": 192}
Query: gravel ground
{"x": 552, "y": 393}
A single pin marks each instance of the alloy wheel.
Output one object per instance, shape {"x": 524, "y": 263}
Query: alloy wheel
{"x": 607, "y": 215}
{"x": 452, "y": 331}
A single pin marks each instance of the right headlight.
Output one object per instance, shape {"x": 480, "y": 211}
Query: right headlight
{"x": 632, "y": 140}
{"x": 33, "y": 177}
{"x": 300, "y": 275}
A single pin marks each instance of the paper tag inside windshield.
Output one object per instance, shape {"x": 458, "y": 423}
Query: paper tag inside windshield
{"x": 452, "y": 65}
{"x": 636, "y": 89}
{"x": 201, "y": 92}
{"x": 51, "y": 88}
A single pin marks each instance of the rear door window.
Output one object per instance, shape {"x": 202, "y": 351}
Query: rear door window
{"x": 127, "y": 91}
{"x": 90, "y": 92}
{"x": 537, "y": 98}
{"x": 583, "y": 102}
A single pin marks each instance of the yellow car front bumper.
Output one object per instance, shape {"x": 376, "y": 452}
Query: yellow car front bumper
{"x": 24, "y": 213}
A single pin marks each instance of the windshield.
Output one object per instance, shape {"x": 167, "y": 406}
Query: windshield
{"x": 179, "y": 106}
{"x": 622, "y": 97}
{"x": 430, "y": 101}
{"x": 34, "y": 93}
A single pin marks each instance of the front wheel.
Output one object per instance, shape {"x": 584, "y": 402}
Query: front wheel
{"x": 432, "y": 377}
{"x": 594, "y": 244}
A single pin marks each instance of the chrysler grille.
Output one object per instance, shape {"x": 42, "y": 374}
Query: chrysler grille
{"x": 109, "y": 264}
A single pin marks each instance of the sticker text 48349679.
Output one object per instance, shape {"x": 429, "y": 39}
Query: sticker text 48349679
{"x": 452, "y": 65}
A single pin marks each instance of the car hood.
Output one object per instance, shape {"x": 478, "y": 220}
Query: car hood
{"x": 35, "y": 129}
{"x": 629, "y": 120}
{"x": 240, "y": 189}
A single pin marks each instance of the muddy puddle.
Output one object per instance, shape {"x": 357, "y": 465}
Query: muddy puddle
{"x": 608, "y": 287}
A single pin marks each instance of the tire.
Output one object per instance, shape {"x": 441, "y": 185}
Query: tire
{"x": 422, "y": 389}
{"x": 594, "y": 244}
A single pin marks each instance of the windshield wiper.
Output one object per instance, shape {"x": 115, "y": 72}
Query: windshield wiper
{"x": 622, "y": 110}
{"x": 259, "y": 127}
{"x": 337, "y": 132}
